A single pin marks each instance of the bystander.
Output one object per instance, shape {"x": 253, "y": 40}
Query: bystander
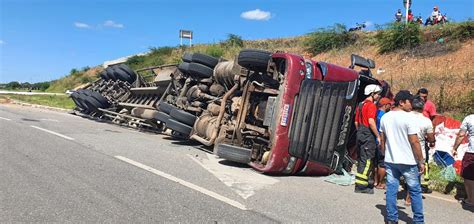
{"x": 384, "y": 106}
{"x": 403, "y": 156}
{"x": 467, "y": 172}
{"x": 429, "y": 110}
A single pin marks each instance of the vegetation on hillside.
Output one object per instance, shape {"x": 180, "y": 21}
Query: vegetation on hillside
{"x": 325, "y": 39}
{"x": 75, "y": 78}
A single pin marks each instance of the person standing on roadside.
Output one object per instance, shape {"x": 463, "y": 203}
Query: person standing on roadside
{"x": 367, "y": 138}
{"x": 430, "y": 109}
{"x": 467, "y": 172}
{"x": 384, "y": 106}
{"x": 403, "y": 156}
{"x": 398, "y": 16}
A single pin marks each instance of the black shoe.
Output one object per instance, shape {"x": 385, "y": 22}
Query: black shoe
{"x": 364, "y": 190}
{"x": 391, "y": 222}
{"x": 426, "y": 190}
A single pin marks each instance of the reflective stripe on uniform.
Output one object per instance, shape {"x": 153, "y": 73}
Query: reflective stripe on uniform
{"x": 361, "y": 182}
{"x": 362, "y": 176}
{"x": 426, "y": 175}
{"x": 366, "y": 170}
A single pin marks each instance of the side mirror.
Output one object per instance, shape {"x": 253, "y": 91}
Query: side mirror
{"x": 371, "y": 63}
{"x": 361, "y": 61}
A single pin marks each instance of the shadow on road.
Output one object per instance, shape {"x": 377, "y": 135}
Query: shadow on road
{"x": 402, "y": 216}
{"x": 233, "y": 164}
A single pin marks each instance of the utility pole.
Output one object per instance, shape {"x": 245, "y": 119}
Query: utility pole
{"x": 407, "y": 5}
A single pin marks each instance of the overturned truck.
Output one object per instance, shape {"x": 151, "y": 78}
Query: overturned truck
{"x": 278, "y": 112}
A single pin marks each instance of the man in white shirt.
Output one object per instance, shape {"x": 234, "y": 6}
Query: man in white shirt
{"x": 467, "y": 127}
{"x": 425, "y": 136}
{"x": 403, "y": 156}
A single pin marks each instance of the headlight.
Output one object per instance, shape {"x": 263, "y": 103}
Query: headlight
{"x": 309, "y": 70}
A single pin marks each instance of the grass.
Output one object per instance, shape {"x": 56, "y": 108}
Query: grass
{"x": 61, "y": 101}
{"x": 438, "y": 183}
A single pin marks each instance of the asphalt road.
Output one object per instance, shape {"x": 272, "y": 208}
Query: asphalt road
{"x": 58, "y": 167}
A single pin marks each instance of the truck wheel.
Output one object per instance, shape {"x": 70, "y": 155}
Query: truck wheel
{"x": 179, "y": 127}
{"x": 205, "y": 59}
{"x": 187, "y": 57}
{"x": 110, "y": 73}
{"x": 163, "y": 117}
{"x": 129, "y": 71}
{"x": 122, "y": 75}
{"x": 97, "y": 96}
{"x": 91, "y": 103}
{"x": 184, "y": 67}
{"x": 200, "y": 70}
{"x": 253, "y": 59}
{"x": 77, "y": 101}
{"x": 166, "y": 107}
{"x": 103, "y": 75}
{"x": 183, "y": 116}
{"x": 234, "y": 153}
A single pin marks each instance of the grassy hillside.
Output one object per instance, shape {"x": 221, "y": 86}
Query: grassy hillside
{"x": 437, "y": 57}
{"x": 75, "y": 78}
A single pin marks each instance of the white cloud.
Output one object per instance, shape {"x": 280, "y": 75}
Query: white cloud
{"x": 82, "y": 25}
{"x": 256, "y": 14}
{"x": 110, "y": 23}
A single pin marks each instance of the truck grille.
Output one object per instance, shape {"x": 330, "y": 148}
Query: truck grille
{"x": 321, "y": 117}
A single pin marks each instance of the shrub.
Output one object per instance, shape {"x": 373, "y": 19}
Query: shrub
{"x": 326, "y": 39}
{"x": 161, "y": 51}
{"x": 398, "y": 36}
{"x": 135, "y": 60}
{"x": 234, "y": 40}
{"x": 215, "y": 51}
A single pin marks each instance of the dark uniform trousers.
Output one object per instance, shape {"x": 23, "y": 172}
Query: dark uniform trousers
{"x": 366, "y": 147}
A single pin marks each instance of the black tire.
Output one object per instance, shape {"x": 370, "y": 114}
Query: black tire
{"x": 129, "y": 71}
{"x": 122, "y": 75}
{"x": 110, "y": 73}
{"x": 184, "y": 67}
{"x": 104, "y": 76}
{"x": 163, "y": 117}
{"x": 102, "y": 100}
{"x": 187, "y": 57}
{"x": 166, "y": 107}
{"x": 183, "y": 116}
{"x": 88, "y": 107}
{"x": 74, "y": 96}
{"x": 92, "y": 103}
{"x": 179, "y": 127}
{"x": 254, "y": 59}
{"x": 200, "y": 70}
{"x": 234, "y": 153}
{"x": 205, "y": 59}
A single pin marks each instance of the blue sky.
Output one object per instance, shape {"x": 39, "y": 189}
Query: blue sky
{"x": 42, "y": 40}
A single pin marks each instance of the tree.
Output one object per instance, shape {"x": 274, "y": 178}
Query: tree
{"x": 234, "y": 40}
{"x": 13, "y": 85}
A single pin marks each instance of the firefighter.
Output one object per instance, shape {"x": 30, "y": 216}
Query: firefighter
{"x": 367, "y": 136}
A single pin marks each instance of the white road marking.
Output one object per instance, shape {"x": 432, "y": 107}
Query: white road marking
{"x": 440, "y": 198}
{"x": 184, "y": 183}
{"x": 7, "y": 119}
{"x": 52, "y": 132}
{"x": 47, "y": 119}
{"x": 245, "y": 182}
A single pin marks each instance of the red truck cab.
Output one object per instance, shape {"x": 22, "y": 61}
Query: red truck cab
{"x": 312, "y": 118}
